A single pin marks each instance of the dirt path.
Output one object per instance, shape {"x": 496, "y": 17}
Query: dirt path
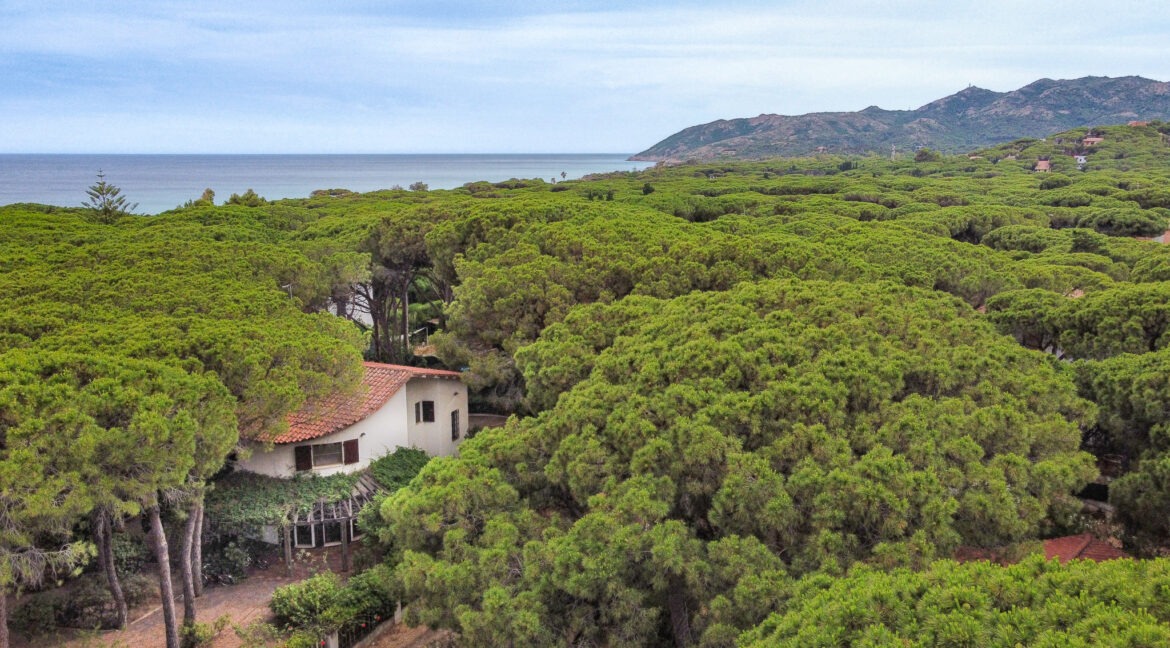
{"x": 404, "y": 637}
{"x": 245, "y": 603}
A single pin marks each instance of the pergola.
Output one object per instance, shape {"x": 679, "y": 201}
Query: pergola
{"x": 327, "y": 514}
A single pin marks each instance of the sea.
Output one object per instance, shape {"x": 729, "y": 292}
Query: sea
{"x": 162, "y": 182}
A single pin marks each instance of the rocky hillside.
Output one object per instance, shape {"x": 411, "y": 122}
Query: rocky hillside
{"x": 966, "y": 120}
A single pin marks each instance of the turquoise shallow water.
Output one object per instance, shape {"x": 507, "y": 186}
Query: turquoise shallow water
{"x": 161, "y": 182}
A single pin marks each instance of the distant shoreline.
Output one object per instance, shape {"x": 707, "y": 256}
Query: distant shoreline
{"x": 162, "y": 181}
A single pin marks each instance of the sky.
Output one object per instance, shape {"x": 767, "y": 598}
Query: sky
{"x": 438, "y": 76}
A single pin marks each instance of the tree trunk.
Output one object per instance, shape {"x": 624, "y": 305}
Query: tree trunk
{"x": 197, "y": 551}
{"x": 405, "y": 321}
{"x": 381, "y": 321}
{"x": 185, "y": 555}
{"x": 166, "y": 590}
{"x": 680, "y": 621}
{"x": 3, "y": 617}
{"x": 104, "y": 536}
{"x": 288, "y": 553}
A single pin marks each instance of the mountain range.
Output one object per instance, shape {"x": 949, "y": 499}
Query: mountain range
{"x": 969, "y": 119}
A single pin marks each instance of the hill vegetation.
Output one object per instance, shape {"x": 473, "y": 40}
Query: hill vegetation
{"x": 746, "y": 393}
{"x": 967, "y": 120}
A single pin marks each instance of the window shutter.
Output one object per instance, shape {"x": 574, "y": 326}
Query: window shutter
{"x": 417, "y": 412}
{"x": 349, "y": 450}
{"x": 304, "y": 457}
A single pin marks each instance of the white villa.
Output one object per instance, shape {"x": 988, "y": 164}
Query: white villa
{"x": 395, "y": 406}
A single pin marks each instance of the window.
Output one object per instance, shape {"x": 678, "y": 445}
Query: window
{"x": 332, "y": 533}
{"x": 326, "y": 454}
{"x": 323, "y": 534}
{"x": 424, "y": 412}
{"x": 304, "y": 536}
{"x": 321, "y": 455}
{"x": 455, "y": 425}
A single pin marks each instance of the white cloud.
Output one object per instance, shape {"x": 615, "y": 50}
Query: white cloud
{"x": 607, "y": 79}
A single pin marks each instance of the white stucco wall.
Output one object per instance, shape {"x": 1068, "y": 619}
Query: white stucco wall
{"x": 448, "y": 395}
{"x": 277, "y": 462}
{"x": 377, "y": 434}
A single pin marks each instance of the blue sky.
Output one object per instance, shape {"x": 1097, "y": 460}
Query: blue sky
{"x": 337, "y": 76}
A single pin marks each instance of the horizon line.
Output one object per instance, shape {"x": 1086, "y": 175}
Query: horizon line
{"x": 319, "y": 153}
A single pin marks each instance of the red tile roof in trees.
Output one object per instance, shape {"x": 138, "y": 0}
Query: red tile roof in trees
{"x": 338, "y": 411}
{"x": 1078, "y": 547}
{"x": 1083, "y": 546}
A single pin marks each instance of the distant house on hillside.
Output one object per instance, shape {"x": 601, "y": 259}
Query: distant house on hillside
{"x": 1092, "y": 141}
{"x": 395, "y": 406}
{"x": 1138, "y": 124}
{"x": 1163, "y": 238}
{"x": 1042, "y": 166}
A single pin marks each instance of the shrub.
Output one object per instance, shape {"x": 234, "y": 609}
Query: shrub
{"x": 37, "y": 615}
{"x": 367, "y": 592}
{"x": 1055, "y": 182}
{"x": 227, "y": 561}
{"x": 86, "y": 603}
{"x": 138, "y": 588}
{"x": 248, "y": 199}
{"x": 306, "y": 604}
{"x": 395, "y": 470}
{"x": 89, "y": 604}
{"x": 202, "y": 634}
{"x": 130, "y": 553}
{"x": 1069, "y": 199}
{"x": 260, "y": 635}
{"x": 303, "y": 640}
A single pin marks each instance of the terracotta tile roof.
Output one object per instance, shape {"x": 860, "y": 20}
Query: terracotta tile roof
{"x": 336, "y": 412}
{"x": 1083, "y": 546}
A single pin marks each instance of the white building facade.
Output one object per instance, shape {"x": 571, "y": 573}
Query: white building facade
{"x": 396, "y": 406}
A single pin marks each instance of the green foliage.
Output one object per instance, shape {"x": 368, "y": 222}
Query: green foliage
{"x": 260, "y": 635}
{"x": 304, "y": 604}
{"x": 1033, "y": 603}
{"x": 243, "y": 501}
{"x": 86, "y": 604}
{"x": 36, "y": 616}
{"x": 203, "y": 634}
{"x": 822, "y": 422}
{"x": 750, "y": 372}
{"x": 1055, "y": 181}
{"x": 322, "y": 603}
{"x": 248, "y": 199}
{"x": 926, "y": 155}
{"x": 395, "y": 470}
{"x": 228, "y": 560}
{"x": 130, "y": 553}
